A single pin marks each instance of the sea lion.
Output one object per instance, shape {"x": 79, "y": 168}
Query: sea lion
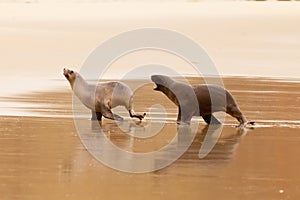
{"x": 195, "y": 100}
{"x": 102, "y": 97}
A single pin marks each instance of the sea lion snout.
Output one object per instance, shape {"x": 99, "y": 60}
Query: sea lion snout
{"x": 68, "y": 73}
{"x": 65, "y": 73}
{"x": 155, "y": 79}
{"x": 158, "y": 79}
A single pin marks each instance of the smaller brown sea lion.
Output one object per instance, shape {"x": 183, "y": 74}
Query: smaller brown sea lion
{"x": 102, "y": 97}
{"x": 195, "y": 100}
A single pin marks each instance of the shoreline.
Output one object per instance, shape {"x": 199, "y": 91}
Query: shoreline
{"x": 252, "y": 94}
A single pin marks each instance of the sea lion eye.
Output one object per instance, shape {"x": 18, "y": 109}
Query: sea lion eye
{"x": 71, "y": 72}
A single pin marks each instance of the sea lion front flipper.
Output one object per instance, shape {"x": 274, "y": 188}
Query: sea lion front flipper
{"x": 184, "y": 115}
{"x": 106, "y": 112}
{"x": 96, "y": 115}
{"x": 210, "y": 119}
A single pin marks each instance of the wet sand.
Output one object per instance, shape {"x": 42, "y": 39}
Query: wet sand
{"x": 42, "y": 156}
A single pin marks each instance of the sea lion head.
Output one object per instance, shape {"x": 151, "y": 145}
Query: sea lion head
{"x": 70, "y": 75}
{"x": 161, "y": 82}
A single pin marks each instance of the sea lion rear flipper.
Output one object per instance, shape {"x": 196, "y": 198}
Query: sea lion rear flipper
{"x": 244, "y": 125}
{"x": 132, "y": 114}
{"x": 131, "y": 111}
{"x": 251, "y": 122}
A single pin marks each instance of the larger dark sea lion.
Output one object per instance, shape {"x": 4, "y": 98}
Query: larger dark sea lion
{"x": 195, "y": 100}
{"x": 102, "y": 97}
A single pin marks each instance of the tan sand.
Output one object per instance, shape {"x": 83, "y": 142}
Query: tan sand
{"x": 41, "y": 155}
{"x": 43, "y": 158}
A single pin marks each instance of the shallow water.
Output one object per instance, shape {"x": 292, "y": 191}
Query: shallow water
{"x": 42, "y": 156}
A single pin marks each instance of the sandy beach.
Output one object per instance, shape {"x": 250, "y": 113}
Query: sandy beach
{"x": 255, "y": 47}
{"x": 42, "y": 152}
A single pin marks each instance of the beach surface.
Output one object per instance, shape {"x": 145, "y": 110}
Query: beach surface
{"x": 255, "y": 47}
{"x": 42, "y": 155}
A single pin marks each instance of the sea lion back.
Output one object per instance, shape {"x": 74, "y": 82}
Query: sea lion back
{"x": 115, "y": 93}
{"x": 121, "y": 95}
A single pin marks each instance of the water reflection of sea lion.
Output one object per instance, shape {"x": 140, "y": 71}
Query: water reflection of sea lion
{"x": 214, "y": 148}
{"x": 102, "y": 97}
{"x": 189, "y": 97}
